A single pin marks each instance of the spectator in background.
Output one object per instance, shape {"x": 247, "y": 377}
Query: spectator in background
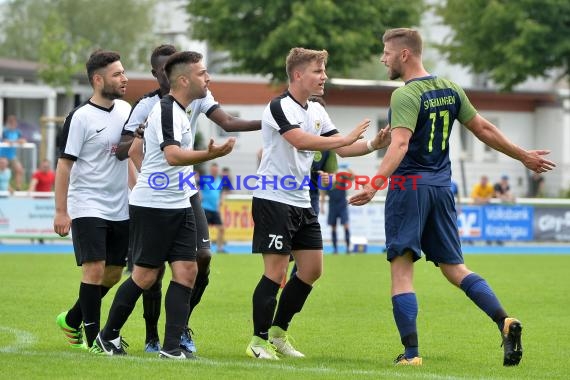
{"x": 12, "y": 135}
{"x": 482, "y": 192}
{"x": 5, "y": 177}
{"x": 43, "y": 179}
{"x": 502, "y": 190}
{"x": 536, "y": 185}
{"x": 212, "y": 198}
{"x": 227, "y": 184}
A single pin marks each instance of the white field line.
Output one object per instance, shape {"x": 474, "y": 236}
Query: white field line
{"x": 22, "y": 339}
{"x": 265, "y": 365}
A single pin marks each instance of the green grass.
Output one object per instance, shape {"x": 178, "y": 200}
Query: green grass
{"x": 346, "y": 328}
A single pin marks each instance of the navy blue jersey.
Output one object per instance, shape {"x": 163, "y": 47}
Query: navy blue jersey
{"x": 429, "y": 106}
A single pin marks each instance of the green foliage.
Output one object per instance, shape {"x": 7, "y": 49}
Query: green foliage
{"x": 61, "y": 34}
{"x": 346, "y": 328}
{"x": 60, "y": 55}
{"x": 259, "y": 34}
{"x": 510, "y": 40}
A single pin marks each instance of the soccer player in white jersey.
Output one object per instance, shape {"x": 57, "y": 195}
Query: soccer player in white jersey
{"x": 91, "y": 194}
{"x": 162, "y": 221}
{"x": 211, "y": 108}
{"x": 293, "y": 129}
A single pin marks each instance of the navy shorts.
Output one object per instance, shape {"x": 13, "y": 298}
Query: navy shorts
{"x": 213, "y": 218}
{"x": 423, "y": 220}
{"x": 336, "y": 213}
{"x": 281, "y": 228}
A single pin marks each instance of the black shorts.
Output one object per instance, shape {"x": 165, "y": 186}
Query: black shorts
{"x": 97, "y": 239}
{"x": 158, "y": 235}
{"x": 213, "y": 218}
{"x": 281, "y": 228}
{"x": 202, "y": 231}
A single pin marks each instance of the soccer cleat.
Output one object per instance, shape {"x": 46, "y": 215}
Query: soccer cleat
{"x": 402, "y": 360}
{"x": 512, "y": 344}
{"x": 261, "y": 349}
{"x": 181, "y": 354}
{"x": 282, "y": 342}
{"x": 152, "y": 346}
{"x": 186, "y": 341}
{"x": 74, "y": 336}
{"x": 109, "y": 347}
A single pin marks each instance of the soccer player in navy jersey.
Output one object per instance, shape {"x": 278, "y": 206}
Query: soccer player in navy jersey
{"x": 423, "y": 218}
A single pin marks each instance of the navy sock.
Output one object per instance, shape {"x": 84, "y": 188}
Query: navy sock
{"x": 479, "y": 291}
{"x": 405, "y": 308}
{"x": 264, "y": 302}
{"x": 347, "y": 239}
{"x": 334, "y": 239}
{"x": 292, "y": 299}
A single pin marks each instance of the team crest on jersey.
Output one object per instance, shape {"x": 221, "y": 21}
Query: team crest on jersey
{"x": 318, "y": 156}
{"x": 317, "y": 125}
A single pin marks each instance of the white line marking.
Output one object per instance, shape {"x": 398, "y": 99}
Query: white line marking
{"x": 22, "y": 339}
{"x": 257, "y": 364}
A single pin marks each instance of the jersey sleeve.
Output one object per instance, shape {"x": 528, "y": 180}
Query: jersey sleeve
{"x": 282, "y": 118}
{"x": 74, "y": 132}
{"x": 467, "y": 111}
{"x": 138, "y": 116}
{"x": 208, "y": 104}
{"x": 404, "y": 109}
{"x": 331, "y": 164}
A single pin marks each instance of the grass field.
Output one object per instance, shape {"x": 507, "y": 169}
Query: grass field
{"x": 346, "y": 328}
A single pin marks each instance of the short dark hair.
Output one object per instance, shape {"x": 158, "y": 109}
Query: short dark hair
{"x": 98, "y": 60}
{"x": 163, "y": 50}
{"x": 405, "y": 37}
{"x": 180, "y": 58}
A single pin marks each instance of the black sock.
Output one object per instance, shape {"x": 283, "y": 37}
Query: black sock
{"x": 74, "y": 316}
{"x": 177, "y": 303}
{"x": 122, "y": 306}
{"x": 264, "y": 302}
{"x": 347, "y": 239}
{"x": 90, "y": 301}
{"x": 152, "y": 300}
{"x": 202, "y": 281}
{"x": 292, "y": 299}
{"x": 104, "y": 291}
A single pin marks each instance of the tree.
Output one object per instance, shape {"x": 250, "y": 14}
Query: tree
{"x": 61, "y": 34}
{"x": 509, "y": 40}
{"x": 259, "y": 34}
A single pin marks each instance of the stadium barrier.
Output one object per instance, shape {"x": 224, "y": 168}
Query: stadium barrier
{"x": 25, "y": 215}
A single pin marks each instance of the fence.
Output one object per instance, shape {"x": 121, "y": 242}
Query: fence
{"x": 30, "y": 215}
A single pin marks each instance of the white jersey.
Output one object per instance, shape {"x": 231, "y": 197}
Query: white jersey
{"x": 140, "y": 111}
{"x": 284, "y": 172}
{"x": 160, "y": 185}
{"x": 98, "y": 181}
{"x": 143, "y": 106}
